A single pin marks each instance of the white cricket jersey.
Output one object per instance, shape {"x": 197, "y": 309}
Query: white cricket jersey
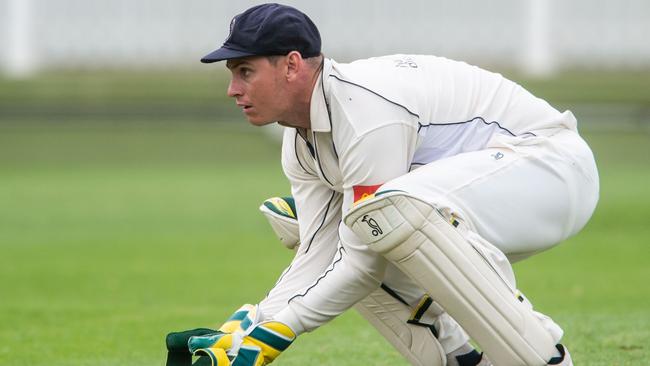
{"x": 375, "y": 120}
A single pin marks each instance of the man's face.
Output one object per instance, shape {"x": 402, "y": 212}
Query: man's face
{"x": 257, "y": 86}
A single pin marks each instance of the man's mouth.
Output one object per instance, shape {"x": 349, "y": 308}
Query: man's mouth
{"x": 244, "y": 107}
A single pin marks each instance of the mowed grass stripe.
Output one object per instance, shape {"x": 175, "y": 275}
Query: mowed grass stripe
{"x": 112, "y": 235}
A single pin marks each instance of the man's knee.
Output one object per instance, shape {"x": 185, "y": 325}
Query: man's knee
{"x": 386, "y": 221}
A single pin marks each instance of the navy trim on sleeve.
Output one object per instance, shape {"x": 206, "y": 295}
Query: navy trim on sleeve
{"x": 481, "y": 119}
{"x": 340, "y": 257}
{"x": 377, "y": 94}
{"x": 327, "y": 209}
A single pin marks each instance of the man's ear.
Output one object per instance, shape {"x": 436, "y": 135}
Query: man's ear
{"x": 294, "y": 64}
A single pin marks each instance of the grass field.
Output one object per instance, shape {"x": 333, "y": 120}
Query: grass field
{"x": 114, "y": 233}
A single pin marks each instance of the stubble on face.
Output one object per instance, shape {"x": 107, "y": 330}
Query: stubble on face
{"x": 258, "y": 88}
{"x": 275, "y": 88}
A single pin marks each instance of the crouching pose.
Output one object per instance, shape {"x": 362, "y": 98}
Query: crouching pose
{"x": 409, "y": 319}
{"x": 416, "y": 326}
{"x": 435, "y": 169}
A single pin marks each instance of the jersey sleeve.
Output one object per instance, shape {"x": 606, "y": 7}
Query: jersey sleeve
{"x": 356, "y": 271}
{"x": 318, "y": 210}
{"x": 333, "y": 269}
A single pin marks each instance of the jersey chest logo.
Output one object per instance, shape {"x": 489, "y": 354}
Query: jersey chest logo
{"x": 362, "y": 193}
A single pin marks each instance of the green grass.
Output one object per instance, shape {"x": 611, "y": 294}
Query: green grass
{"x": 592, "y": 86}
{"x": 118, "y": 95}
{"x": 113, "y": 234}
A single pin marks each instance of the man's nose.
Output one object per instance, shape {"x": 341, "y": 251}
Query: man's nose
{"x": 233, "y": 90}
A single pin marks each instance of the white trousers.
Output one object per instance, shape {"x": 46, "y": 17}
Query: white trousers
{"x": 522, "y": 194}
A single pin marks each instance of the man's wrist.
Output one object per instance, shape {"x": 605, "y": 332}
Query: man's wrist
{"x": 289, "y": 317}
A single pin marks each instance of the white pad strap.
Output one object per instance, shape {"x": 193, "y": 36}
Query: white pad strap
{"x": 433, "y": 252}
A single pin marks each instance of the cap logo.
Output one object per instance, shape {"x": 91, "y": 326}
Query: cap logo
{"x": 232, "y": 26}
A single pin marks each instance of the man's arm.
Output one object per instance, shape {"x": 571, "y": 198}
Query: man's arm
{"x": 402, "y": 325}
{"x": 319, "y": 210}
{"x": 320, "y": 215}
{"x": 366, "y": 162}
{"x": 317, "y": 287}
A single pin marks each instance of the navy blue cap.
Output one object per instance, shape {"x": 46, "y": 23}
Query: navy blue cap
{"x": 269, "y": 30}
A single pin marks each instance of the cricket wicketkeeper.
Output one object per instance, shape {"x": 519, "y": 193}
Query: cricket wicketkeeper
{"x": 417, "y": 181}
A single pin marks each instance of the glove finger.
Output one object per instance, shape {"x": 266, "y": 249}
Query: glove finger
{"x": 178, "y": 358}
{"x": 177, "y": 341}
{"x": 249, "y": 355}
{"x": 216, "y": 356}
{"x": 217, "y": 340}
{"x": 203, "y": 361}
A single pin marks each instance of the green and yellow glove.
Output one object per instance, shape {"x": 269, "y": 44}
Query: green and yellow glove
{"x": 236, "y": 342}
{"x": 252, "y": 343}
{"x": 283, "y": 217}
{"x": 178, "y": 353}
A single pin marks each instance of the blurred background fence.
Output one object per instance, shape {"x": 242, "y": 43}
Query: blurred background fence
{"x": 536, "y": 36}
{"x": 140, "y": 57}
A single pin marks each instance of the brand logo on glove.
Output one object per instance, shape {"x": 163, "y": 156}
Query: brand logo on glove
{"x": 376, "y": 230}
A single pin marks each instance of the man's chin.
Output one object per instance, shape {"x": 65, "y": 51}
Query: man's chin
{"x": 259, "y": 121}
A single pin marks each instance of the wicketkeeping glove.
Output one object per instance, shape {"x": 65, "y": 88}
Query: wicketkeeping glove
{"x": 178, "y": 353}
{"x": 282, "y": 215}
{"x": 252, "y": 344}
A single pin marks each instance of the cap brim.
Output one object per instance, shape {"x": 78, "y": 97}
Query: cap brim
{"x": 224, "y": 53}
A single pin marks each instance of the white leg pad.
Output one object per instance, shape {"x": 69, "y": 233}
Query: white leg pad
{"x": 416, "y": 343}
{"x": 415, "y": 236}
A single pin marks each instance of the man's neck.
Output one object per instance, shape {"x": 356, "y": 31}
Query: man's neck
{"x": 301, "y": 111}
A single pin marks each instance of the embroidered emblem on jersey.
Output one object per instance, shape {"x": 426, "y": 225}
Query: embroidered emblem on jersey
{"x": 497, "y": 156}
{"x": 406, "y": 62}
{"x": 362, "y": 193}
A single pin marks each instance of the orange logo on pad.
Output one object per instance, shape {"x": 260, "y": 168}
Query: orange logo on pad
{"x": 362, "y": 193}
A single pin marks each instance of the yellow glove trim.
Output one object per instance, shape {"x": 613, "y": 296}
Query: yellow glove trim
{"x": 218, "y": 356}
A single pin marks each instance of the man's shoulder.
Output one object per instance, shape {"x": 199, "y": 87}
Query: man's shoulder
{"x": 393, "y": 60}
{"x": 371, "y": 92}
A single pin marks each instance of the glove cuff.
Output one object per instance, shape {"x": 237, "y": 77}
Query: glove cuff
{"x": 240, "y": 320}
{"x": 259, "y": 345}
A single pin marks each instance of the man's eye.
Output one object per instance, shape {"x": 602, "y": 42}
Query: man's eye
{"x": 245, "y": 72}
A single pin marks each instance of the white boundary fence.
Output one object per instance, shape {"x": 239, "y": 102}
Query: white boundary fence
{"x": 536, "y": 36}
